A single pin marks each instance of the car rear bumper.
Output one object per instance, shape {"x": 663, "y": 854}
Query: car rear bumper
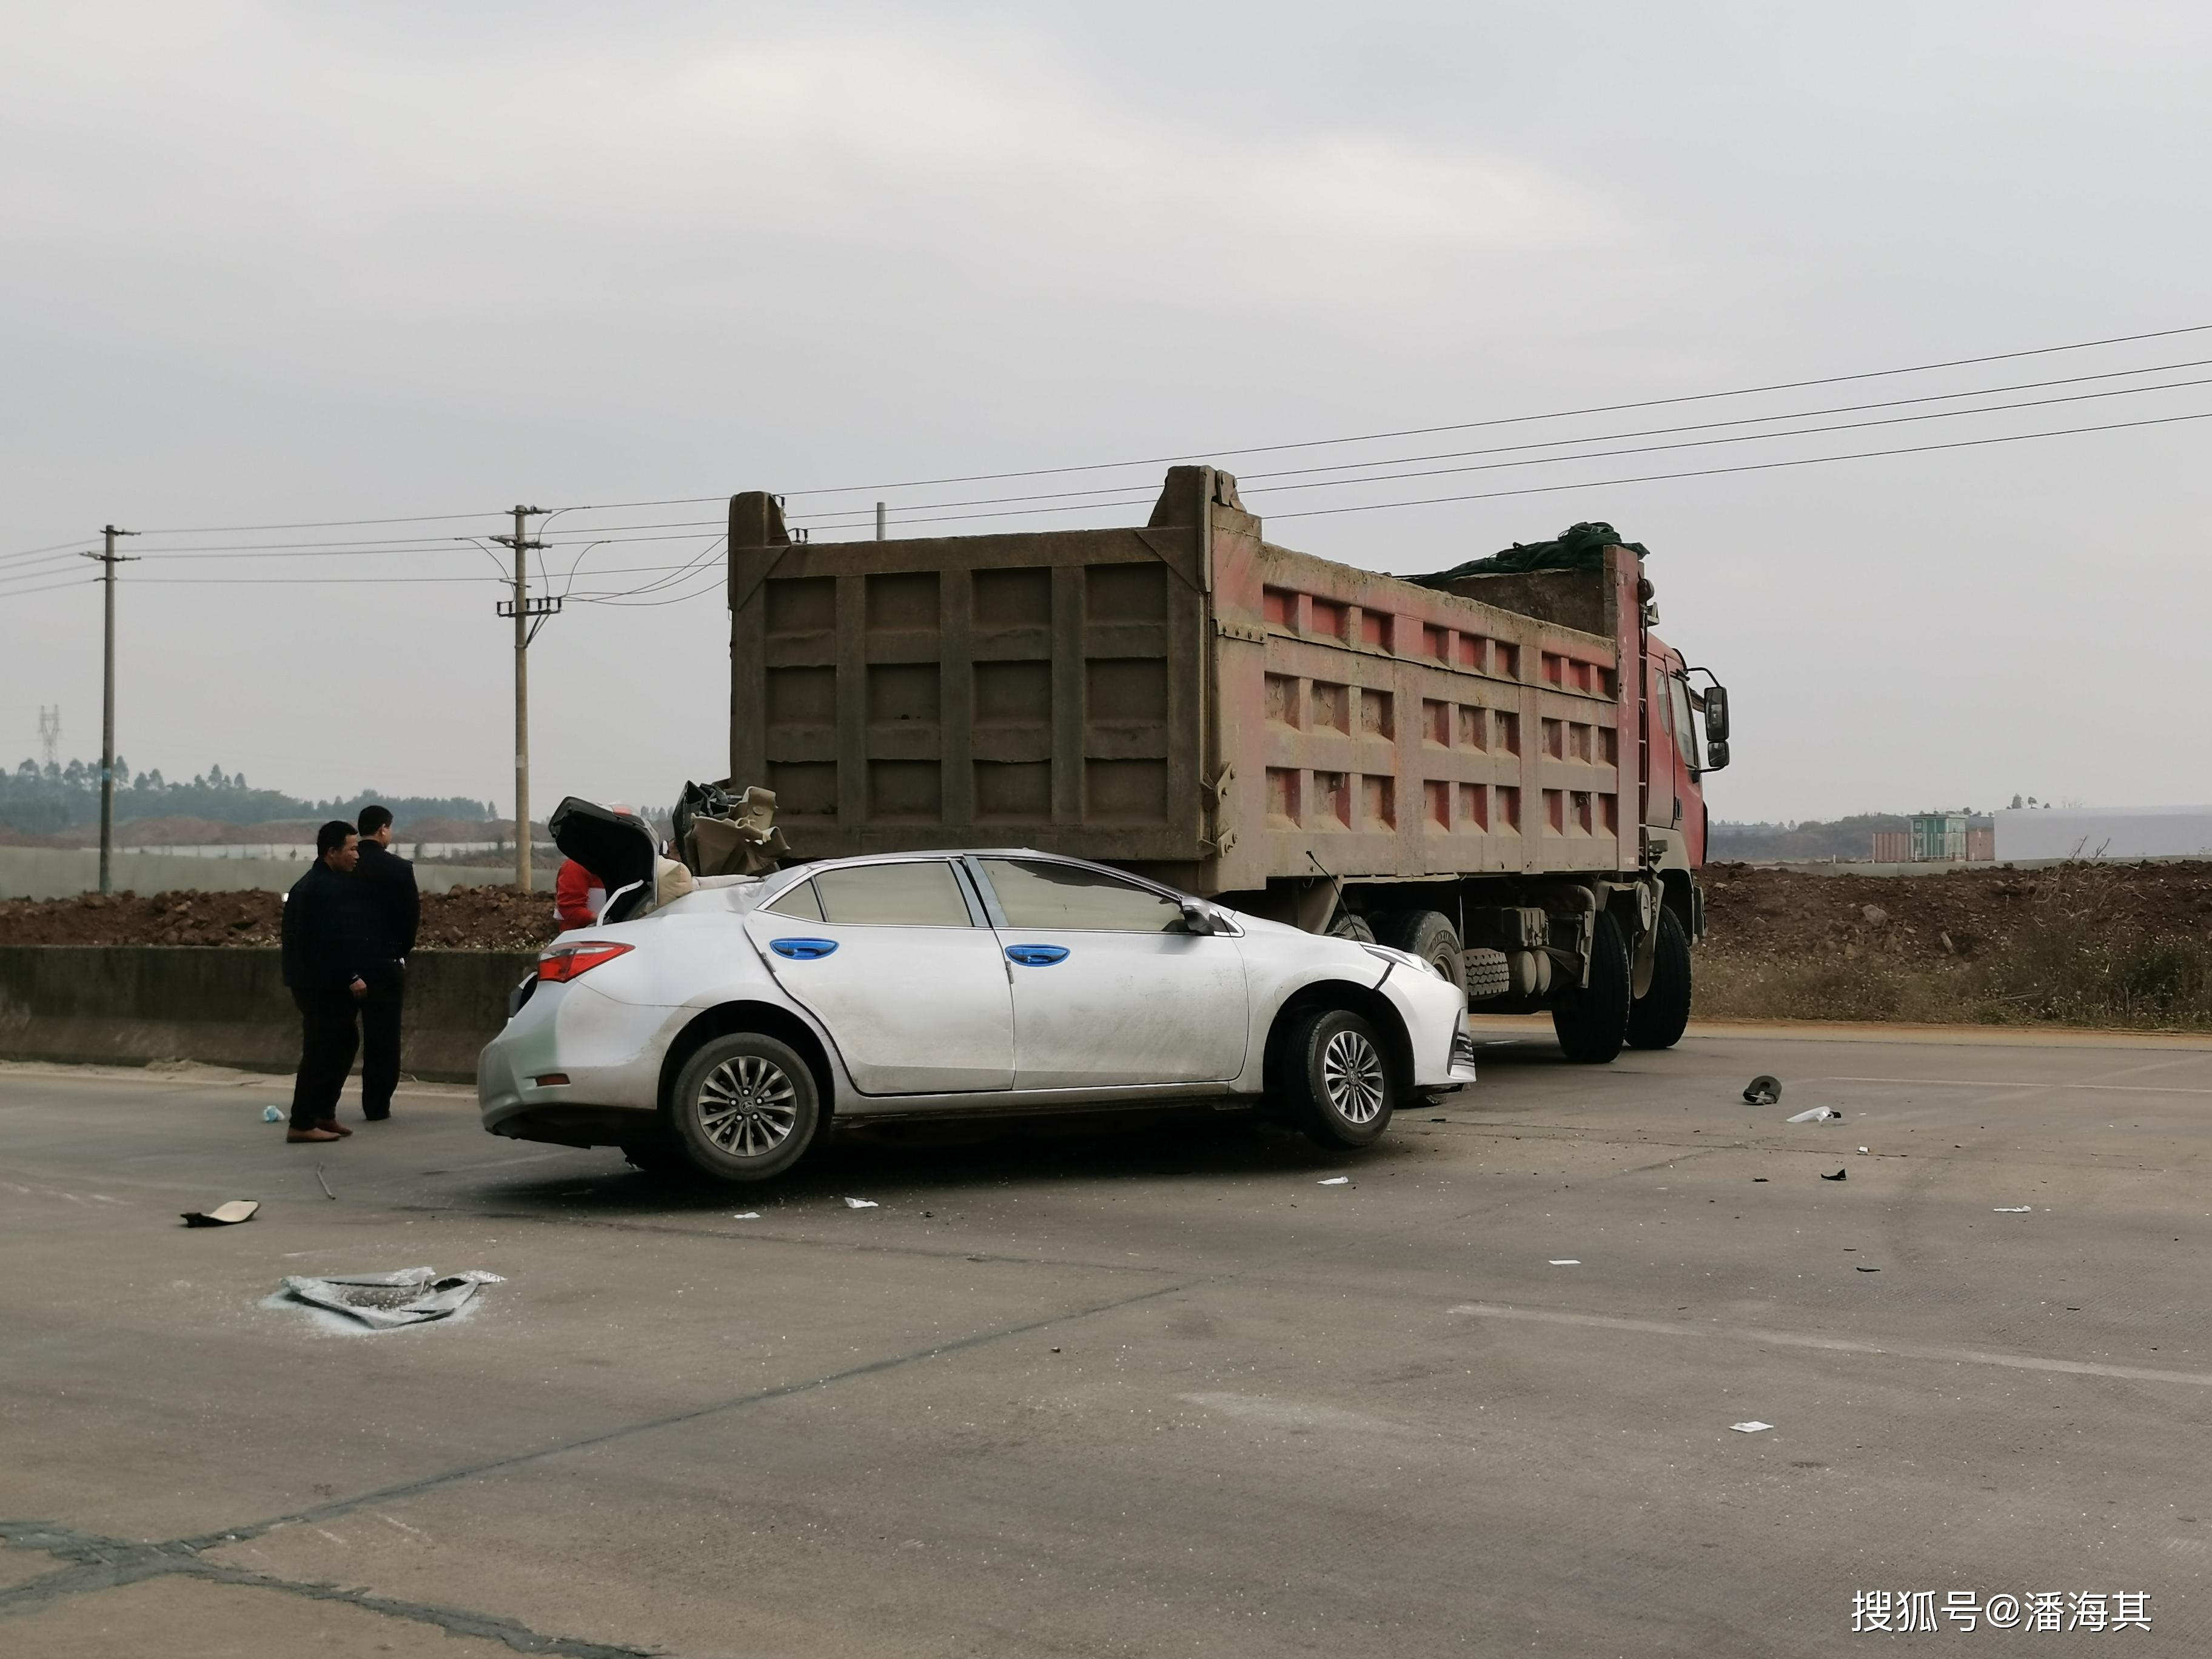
{"x": 572, "y": 1068}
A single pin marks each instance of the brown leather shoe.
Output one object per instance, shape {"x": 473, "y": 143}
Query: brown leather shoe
{"x": 334, "y": 1126}
{"x": 316, "y": 1134}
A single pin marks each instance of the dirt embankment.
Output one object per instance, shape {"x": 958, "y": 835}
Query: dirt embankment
{"x": 465, "y": 919}
{"x": 2078, "y": 944}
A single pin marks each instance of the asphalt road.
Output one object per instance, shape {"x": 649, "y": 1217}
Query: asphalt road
{"x": 1138, "y": 1388}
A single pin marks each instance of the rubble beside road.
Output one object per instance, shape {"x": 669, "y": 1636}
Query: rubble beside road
{"x": 464, "y": 919}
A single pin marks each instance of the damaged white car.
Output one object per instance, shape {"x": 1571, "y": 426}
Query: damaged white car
{"x": 722, "y": 1022}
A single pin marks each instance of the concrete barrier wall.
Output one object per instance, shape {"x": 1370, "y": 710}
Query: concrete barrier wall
{"x": 45, "y": 872}
{"x": 130, "y": 1005}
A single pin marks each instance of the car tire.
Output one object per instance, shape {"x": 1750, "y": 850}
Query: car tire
{"x": 1336, "y": 1081}
{"x": 1351, "y": 926}
{"x": 744, "y": 1108}
{"x": 1427, "y": 935}
{"x": 1658, "y": 1018}
{"x": 1592, "y": 1020}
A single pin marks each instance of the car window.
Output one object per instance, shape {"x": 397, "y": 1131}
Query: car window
{"x": 920, "y": 895}
{"x": 800, "y": 902}
{"x": 1037, "y": 895}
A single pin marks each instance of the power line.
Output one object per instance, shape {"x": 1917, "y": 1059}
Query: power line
{"x": 1752, "y": 466}
{"x": 1599, "y": 484}
{"x": 1256, "y": 481}
{"x": 1745, "y": 437}
{"x": 1514, "y": 420}
{"x": 1251, "y": 449}
{"x": 26, "y": 593}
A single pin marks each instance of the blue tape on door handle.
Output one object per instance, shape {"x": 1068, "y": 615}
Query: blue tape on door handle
{"x": 1037, "y": 955}
{"x": 803, "y": 949}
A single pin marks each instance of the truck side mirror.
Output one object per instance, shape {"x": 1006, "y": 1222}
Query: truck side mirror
{"x": 1717, "y": 755}
{"x": 1717, "y": 716}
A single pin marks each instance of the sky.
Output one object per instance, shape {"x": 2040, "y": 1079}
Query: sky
{"x": 281, "y": 265}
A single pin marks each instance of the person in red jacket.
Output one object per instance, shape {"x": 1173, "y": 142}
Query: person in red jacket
{"x": 577, "y": 893}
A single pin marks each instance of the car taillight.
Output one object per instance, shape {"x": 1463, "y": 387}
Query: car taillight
{"x": 564, "y": 961}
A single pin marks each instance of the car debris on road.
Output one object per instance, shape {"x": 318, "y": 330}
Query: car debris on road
{"x": 228, "y": 1214}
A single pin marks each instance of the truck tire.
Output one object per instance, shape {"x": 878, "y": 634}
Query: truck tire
{"x": 1335, "y": 1078}
{"x": 1592, "y": 1019}
{"x": 1351, "y": 926}
{"x": 1427, "y": 935}
{"x": 1656, "y": 1019}
{"x": 744, "y": 1108}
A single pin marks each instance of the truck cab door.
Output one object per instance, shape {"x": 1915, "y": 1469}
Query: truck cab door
{"x": 1662, "y": 804}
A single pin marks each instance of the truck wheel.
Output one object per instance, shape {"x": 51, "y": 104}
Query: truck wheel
{"x": 1355, "y": 929}
{"x": 1336, "y": 1080}
{"x": 1592, "y": 1020}
{"x": 744, "y": 1108}
{"x": 1427, "y": 935}
{"x": 1656, "y": 1019}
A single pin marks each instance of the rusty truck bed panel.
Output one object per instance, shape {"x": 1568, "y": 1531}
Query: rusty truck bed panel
{"x": 1181, "y": 696}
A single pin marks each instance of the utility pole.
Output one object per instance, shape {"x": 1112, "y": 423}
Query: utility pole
{"x": 529, "y": 616}
{"x": 109, "y": 559}
{"x": 879, "y": 521}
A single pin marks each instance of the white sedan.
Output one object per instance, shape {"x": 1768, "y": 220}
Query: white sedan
{"x": 726, "y": 1027}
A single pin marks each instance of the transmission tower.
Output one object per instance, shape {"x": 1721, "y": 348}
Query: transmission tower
{"x": 50, "y": 734}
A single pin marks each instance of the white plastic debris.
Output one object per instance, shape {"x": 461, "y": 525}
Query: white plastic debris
{"x": 1570, "y": 1262}
{"x": 862, "y": 1204}
{"x": 270, "y": 1113}
{"x": 387, "y": 1302}
{"x": 1863, "y": 1152}
{"x": 2012, "y": 1209}
{"x": 1335, "y": 1181}
{"x": 1753, "y": 1427}
{"x": 1818, "y": 1115}
{"x": 748, "y": 1215}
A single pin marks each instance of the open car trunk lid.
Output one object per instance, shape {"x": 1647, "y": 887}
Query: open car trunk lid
{"x": 618, "y": 847}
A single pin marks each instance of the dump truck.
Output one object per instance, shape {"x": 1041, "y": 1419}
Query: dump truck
{"x": 1499, "y": 772}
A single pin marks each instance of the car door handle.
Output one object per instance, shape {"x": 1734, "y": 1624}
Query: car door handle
{"x": 1037, "y": 955}
{"x": 802, "y": 949}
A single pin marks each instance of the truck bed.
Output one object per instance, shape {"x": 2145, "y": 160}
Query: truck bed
{"x": 1183, "y": 697}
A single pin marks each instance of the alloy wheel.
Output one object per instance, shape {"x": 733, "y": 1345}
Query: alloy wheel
{"x": 1352, "y": 1073}
{"x": 747, "y": 1106}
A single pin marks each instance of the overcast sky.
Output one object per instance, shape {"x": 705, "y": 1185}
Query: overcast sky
{"x": 272, "y": 263}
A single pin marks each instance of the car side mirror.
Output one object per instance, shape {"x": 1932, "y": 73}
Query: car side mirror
{"x": 1717, "y": 716}
{"x": 1196, "y": 918}
{"x": 1717, "y": 754}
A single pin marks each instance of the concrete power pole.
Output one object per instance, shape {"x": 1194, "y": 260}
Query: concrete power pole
{"x": 109, "y": 559}
{"x": 880, "y": 521}
{"x": 524, "y": 610}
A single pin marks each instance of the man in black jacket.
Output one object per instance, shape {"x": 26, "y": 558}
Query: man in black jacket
{"x": 391, "y": 881}
{"x": 331, "y": 941}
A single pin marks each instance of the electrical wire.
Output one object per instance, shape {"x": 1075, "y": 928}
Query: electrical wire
{"x": 1514, "y": 420}
{"x": 1255, "y": 449}
{"x": 1753, "y": 466}
{"x": 26, "y": 593}
{"x": 1256, "y": 482}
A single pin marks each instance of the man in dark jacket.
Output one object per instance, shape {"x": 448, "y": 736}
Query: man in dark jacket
{"x": 332, "y": 943}
{"x": 391, "y": 881}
